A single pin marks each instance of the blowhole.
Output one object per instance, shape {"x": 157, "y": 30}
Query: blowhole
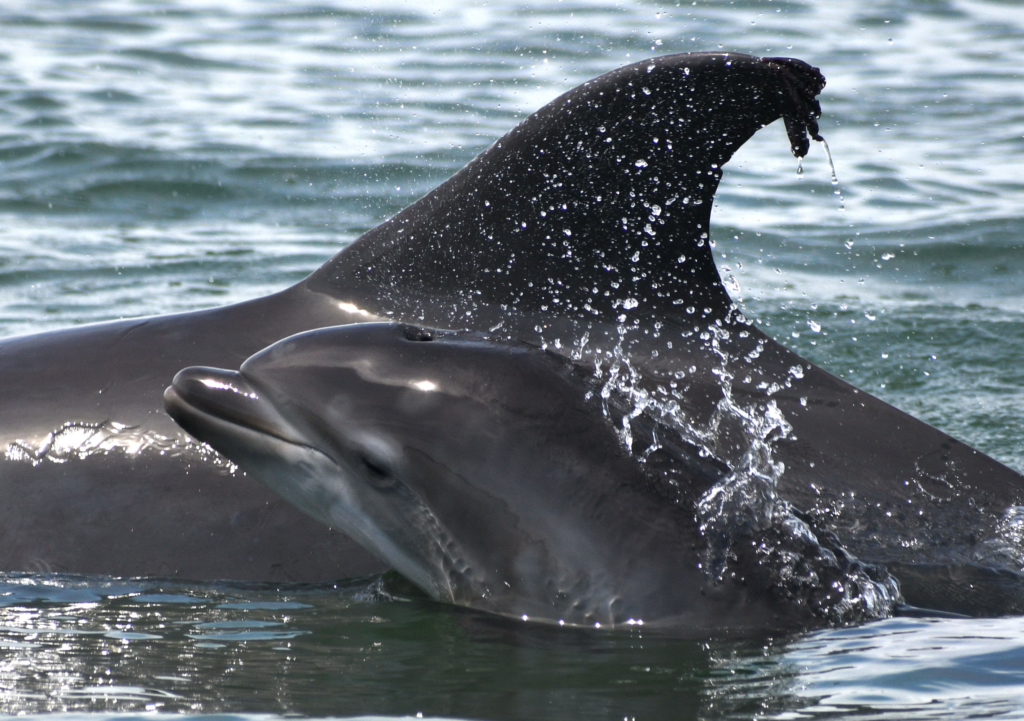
{"x": 417, "y": 334}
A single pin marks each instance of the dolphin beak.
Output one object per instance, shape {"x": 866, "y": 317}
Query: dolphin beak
{"x": 201, "y": 400}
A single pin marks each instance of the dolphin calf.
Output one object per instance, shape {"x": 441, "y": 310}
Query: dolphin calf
{"x": 595, "y": 207}
{"x": 491, "y": 474}
{"x": 505, "y": 478}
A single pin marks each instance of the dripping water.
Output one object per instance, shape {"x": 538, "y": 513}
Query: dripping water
{"x": 835, "y": 178}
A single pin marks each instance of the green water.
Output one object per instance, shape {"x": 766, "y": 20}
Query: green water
{"x": 161, "y": 156}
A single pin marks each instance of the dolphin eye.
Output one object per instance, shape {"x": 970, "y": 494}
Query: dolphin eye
{"x": 378, "y": 474}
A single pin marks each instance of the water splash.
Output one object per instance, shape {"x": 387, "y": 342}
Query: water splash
{"x": 1008, "y": 541}
{"x": 744, "y": 521}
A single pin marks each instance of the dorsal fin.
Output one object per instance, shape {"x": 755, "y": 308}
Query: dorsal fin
{"x": 598, "y": 202}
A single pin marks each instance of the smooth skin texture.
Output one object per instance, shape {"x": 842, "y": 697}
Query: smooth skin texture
{"x": 486, "y": 472}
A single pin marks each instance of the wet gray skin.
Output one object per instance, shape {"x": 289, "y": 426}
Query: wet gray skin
{"x": 479, "y": 470}
{"x": 632, "y": 176}
{"x": 106, "y": 483}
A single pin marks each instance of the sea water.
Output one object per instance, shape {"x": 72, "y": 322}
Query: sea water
{"x": 167, "y": 156}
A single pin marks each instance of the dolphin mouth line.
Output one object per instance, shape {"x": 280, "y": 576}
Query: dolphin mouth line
{"x": 192, "y": 408}
{"x": 181, "y": 410}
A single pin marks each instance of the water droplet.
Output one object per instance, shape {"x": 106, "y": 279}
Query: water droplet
{"x": 835, "y": 178}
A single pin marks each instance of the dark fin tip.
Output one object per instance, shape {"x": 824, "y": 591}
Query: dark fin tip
{"x": 802, "y": 83}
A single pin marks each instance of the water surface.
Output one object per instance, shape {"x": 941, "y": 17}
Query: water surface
{"x": 170, "y": 156}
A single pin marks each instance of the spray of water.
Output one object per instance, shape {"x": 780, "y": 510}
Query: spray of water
{"x": 744, "y": 521}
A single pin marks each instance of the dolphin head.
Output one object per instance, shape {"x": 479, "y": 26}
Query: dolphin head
{"x": 477, "y": 469}
{"x": 324, "y": 420}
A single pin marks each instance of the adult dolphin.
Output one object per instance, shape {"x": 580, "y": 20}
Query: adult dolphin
{"x": 492, "y": 475}
{"x": 96, "y": 478}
